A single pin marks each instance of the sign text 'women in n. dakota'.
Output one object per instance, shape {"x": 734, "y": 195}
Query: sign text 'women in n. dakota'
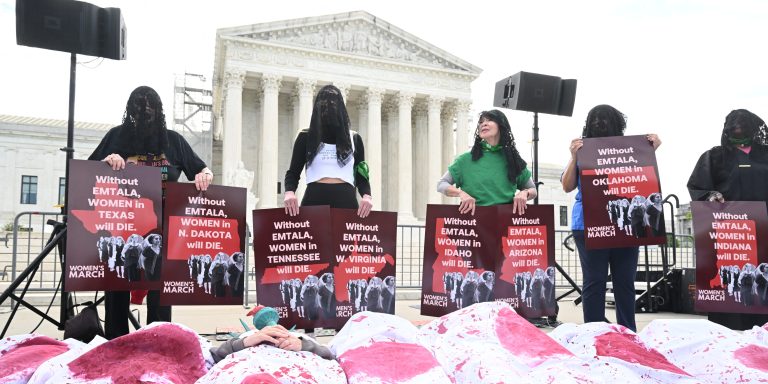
{"x": 204, "y": 254}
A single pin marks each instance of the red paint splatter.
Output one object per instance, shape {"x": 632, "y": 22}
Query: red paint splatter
{"x": 387, "y": 361}
{"x": 459, "y": 366}
{"x": 514, "y": 331}
{"x": 28, "y": 355}
{"x": 167, "y": 351}
{"x": 260, "y": 378}
{"x": 627, "y": 347}
{"x": 753, "y": 356}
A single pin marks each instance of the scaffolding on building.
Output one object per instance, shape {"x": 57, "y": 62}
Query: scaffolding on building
{"x": 192, "y": 113}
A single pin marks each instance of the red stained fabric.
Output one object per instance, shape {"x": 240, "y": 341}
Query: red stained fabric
{"x": 166, "y": 351}
{"x": 753, "y": 356}
{"x": 627, "y": 347}
{"x": 28, "y": 355}
{"x": 388, "y": 362}
{"x": 512, "y": 328}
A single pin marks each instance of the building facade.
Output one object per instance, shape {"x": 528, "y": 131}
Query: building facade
{"x": 33, "y": 164}
{"x": 409, "y": 100}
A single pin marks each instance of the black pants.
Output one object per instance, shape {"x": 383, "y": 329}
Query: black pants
{"x": 594, "y": 267}
{"x": 117, "y": 306}
{"x": 336, "y": 195}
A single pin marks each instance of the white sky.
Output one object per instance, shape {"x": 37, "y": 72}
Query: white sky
{"x": 675, "y": 68}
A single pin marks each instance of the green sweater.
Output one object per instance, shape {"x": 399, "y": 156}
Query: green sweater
{"x": 486, "y": 179}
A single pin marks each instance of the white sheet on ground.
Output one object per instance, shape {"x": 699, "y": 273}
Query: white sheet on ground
{"x": 267, "y": 364}
{"x": 708, "y": 351}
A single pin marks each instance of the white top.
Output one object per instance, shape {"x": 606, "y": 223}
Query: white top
{"x": 326, "y": 165}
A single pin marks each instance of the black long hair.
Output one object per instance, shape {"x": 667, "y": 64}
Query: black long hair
{"x": 143, "y": 131}
{"x": 329, "y": 123}
{"x": 752, "y": 126}
{"x": 604, "y": 121}
{"x": 515, "y": 163}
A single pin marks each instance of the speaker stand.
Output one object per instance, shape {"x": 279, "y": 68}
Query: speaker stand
{"x": 574, "y": 287}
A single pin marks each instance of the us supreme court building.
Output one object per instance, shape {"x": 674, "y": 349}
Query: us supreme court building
{"x": 409, "y": 100}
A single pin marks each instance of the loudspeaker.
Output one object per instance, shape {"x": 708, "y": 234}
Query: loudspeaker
{"x": 71, "y": 26}
{"x": 113, "y": 40}
{"x": 567, "y": 97}
{"x": 534, "y": 92}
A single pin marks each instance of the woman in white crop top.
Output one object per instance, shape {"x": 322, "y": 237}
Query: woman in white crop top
{"x": 334, "y": 157}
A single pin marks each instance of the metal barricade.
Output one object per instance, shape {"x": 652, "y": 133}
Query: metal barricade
{"x": 30, "y": 235}
{"x": 410, "y": 257}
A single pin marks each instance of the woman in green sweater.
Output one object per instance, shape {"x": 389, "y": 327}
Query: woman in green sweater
{"x": 492, "y": 172}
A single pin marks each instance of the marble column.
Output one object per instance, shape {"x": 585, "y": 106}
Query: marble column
{"x": 420, "y": 180}
{"x": 233, "y": 125}
{"x": 268, "y": 177}
{"x": 405, "y": 158}
{"x": 449, "y": 141}
{"x": 390, "y": 178}
{"x": 373, "y": 144}
{"x": 218, "y": 127}
{"x": 305, "y": 89}
{"x": 463, "y": 126}
{"x": 434, "y": 148}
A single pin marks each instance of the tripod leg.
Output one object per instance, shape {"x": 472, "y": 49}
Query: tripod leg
{"x": 19, "y": 300}
{"x": 33, "y": 265}
{"x": 28, "y": 274}
{"x": 66, "y": 305}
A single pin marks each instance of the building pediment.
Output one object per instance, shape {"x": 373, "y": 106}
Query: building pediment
{"x": 357, "y": 33}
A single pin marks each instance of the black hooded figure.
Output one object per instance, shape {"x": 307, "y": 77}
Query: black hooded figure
{"x": 143, "y": 139}
{"x": 735, "y": 170}
{"x": 334, "y": 157}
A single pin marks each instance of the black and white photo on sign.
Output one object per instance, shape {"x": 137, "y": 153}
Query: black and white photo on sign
{"x": 128, "y": 258}
{"x": 311, "y": 298}
{"x": 375, "y": 294}
{"x": 747, "y": 285}
{"x": 536, "y": 290}
{"x": 220, "y": 276}
{"x": 633, "y": 218}
{"x": 465, "y": 290}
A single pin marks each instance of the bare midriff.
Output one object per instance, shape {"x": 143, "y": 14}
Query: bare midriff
{"x": 330, "y": 180}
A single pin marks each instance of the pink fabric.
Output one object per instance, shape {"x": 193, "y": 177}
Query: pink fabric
{"x": 20, "y": 356}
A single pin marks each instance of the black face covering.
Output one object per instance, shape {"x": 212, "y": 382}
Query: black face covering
{"x": 599, "y": 127}
{"x": 328, "y": 102}
{"x": 742, "y": 128}
{"x": 604, "y": 121}
{"x": 144, "y": 134}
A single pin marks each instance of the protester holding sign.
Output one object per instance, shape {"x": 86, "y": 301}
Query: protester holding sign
{"x": 143, "y": 139}
{"x": 493, "y": 172}
{"x": 334, "y": 158}
{"x": 602, "y": 121}
{"x": 736, "y": 170}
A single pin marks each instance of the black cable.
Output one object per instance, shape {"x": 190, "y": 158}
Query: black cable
{"x": 49, "y": 307}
